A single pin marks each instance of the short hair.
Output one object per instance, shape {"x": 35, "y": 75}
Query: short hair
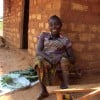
{"x": 56, "y": 18}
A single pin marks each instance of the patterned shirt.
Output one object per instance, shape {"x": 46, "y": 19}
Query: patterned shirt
{"x": 56, "y": 47}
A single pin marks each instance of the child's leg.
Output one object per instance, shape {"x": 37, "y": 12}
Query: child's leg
{"x": 64, "y": 73}
{"x": 40, "y": 72}
{"x": 44, "y": 92}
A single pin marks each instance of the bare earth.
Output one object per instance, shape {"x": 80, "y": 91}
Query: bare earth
{"x": 13, "y": 59}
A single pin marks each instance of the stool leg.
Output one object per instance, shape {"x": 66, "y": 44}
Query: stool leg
{"x": 59, "y": 96}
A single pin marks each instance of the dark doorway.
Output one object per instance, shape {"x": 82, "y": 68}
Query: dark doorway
{"x": 25, "y": 25}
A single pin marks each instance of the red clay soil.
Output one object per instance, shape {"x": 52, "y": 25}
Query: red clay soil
{"x": 13, "y": 59}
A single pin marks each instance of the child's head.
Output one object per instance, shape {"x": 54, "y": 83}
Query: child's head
{"x": 55, "y": 24}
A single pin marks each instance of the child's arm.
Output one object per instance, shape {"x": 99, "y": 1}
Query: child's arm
{"x": 69, "y": 51}
{"x": 40, "y": 47}
{"x": 71, "y": 55}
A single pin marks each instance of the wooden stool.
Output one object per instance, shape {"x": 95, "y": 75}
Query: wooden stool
{"x": 59, "y": 92}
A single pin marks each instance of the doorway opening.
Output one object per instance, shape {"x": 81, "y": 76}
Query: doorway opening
{"x": 25, "y": 25}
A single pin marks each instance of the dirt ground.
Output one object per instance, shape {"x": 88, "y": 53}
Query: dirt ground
{"x": 13, "y": 59}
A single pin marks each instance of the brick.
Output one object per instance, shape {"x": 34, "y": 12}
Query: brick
{"x": 78, "y": 27}
{"x": 38, "y": 16}
{"x": 46, "y": 25}
{"x": 94, "y": 66}
{"x": 19, "y": 14}
{"x": 33, "y": 31}
{"x": 87, "y": 37}
{"x": 94, "y": 47}
{"x": 84, "y": 37}
{"x": 35, "y": 39}
{"x": 79, "y": 47}
{"x": 79, "y": 7}
{"x": 98, "y": 28}
{"x": 73, "y": 36}
{"x": 95, "y": 9}
{"x": 30, "y": 37}
{"x": 94, "y": 28}
{"x": 49, "y": 6}
{"x": 18, "y": 36}
{"x": 56, "y": 5}
{"x": 34, "y": 16}
{"x": 35, "y": 46}
{"x": 87, "y": 56}
{"x": 41, "y": 25}
{"x": 35, "y": 2}
{"x": 20, "y": 3}
{"x": 43, "y": 30}
{"x": 32, "y": 46}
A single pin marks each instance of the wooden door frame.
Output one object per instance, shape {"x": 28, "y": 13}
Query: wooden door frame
{"x": 21, "y": 25}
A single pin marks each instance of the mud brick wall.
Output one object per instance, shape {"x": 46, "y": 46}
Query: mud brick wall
{"x": 81, "y": 20}
{"x": 81, "y": 23}
{"x": 40, "y": 11}
{"x": 12, "y": 21}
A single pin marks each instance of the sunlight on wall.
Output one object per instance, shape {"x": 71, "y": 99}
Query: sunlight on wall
{"x": 1, "y": 8}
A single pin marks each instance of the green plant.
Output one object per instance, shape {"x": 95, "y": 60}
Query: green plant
{"x": 6, "y": 80}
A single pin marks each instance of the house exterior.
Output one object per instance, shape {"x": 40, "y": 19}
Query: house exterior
{"x": 24, "y": 20}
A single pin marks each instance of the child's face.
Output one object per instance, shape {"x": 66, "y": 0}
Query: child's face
{"x": 54, "y": 26}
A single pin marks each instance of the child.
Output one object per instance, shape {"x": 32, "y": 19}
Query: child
{"x": 54, "y": 53}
